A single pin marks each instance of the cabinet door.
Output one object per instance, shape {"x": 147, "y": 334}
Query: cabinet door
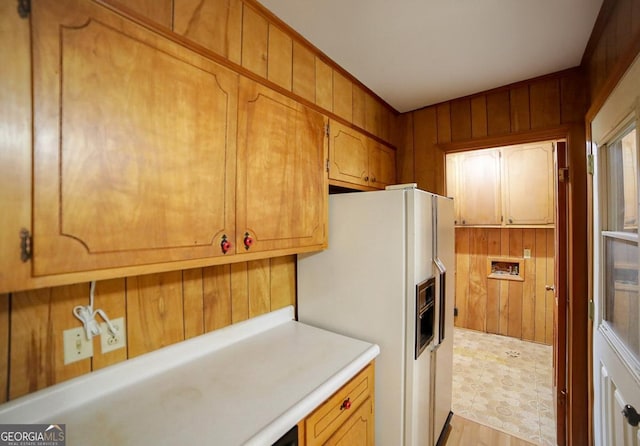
{"x": 282, "y": 190}
{"x": 453, "y": 182}
{"x": 357, "y": 430}
{"x": 133, "y": 141}
{"x": 479, "y": 180}
{"x": 382, "y": 165}
{"x": 348, "y": 155}
{"x": 528, "y": 184}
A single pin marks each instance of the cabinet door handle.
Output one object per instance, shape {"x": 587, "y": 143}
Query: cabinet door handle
{"x": 346, "y": 404}
{"x": 225, "y": 244}
{"x": 366, "y": 178}
{"x": 248, "y": 241}
{"x": 629, "y": 412}
{"x": 550, "y": 287}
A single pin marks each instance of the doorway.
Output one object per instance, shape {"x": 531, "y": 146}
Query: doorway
{"x": 506, "y": 246}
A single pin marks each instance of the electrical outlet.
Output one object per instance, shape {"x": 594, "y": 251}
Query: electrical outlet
{"x": 76, "y": 345}
{"x": 527, "y": 253}
{"x": 108, "y": 341}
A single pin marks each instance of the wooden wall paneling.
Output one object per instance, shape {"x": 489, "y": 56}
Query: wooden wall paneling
{"x": 519, "y": 104}
{"x": 529, "y": 286}
{"x": 31, "y": 346}
{"x": 493, "y": 285}
{"x": 477, "y": 300}
{"x": 214, "y": 24}
{"x": 259, "y": 278}
{"x": 444, "y": 122}
{"x": 110, "y": 296}
{"x": 255, "y": 36}
{"x": 324, "y": 85}
{"x": 15, "y": 146}
{"x": 38, "y": 319}
{"x": 462, "y": 273}
{"x": 623, "y": 25}
{"x": 160, "y": 12}
{"x": 342, "y": 96}
{"x": 498, "y": 113}
{"x": 4, "y": 347}
{"x": 155, "y": 315}
{"x": 216, "y": 284}
{"x": 573, "y": 98}
{"x": 515, "y": 288}
{"x": 283, "y": 282}
{"x": 541, "y": 281}
{"x": 504, "y": 287}
{"x": 280, "y": 59}
{"x": 193, "y": 302}
{"x": 304, "y": 72}
{"x": 461, "y": 120}
{"x": 405, "y": 159}
{"x": 239, "y": 292}
{"x": 545, "y": 103}
{"x": 425, "y": 135}
{"x": 550, "y": 295}
{"x": 479, "y": 116}
{"x": 359, "y": 106}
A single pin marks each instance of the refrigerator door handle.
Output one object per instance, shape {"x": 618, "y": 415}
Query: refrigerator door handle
{"x": 442, "y": 311}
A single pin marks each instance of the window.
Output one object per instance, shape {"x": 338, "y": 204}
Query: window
{"x": 621, "y": 309}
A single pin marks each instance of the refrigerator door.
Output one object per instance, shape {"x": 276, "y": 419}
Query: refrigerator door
{"x": 420, "y": 238}
{"x": 443, "y": 350}
{"x": 357, "y": 287}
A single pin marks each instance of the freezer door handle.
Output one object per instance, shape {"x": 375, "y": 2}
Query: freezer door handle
{"x": 442, "y": 276}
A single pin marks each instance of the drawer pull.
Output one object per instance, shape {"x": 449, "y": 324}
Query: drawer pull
{"x": 346, "y": 404}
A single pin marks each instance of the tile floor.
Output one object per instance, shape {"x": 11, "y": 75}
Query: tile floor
{"x": 504, "y": 383}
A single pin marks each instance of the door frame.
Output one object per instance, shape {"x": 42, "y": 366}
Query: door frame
{"x": 575, "y": 286}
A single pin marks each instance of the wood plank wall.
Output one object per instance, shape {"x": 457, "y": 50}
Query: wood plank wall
{"x": 159, "y": 310}
{"x": 248, "y": 35}
{"x": 522, "y": 310}
{"x": 614, "y": 43}
{"x": 509, "y": 114}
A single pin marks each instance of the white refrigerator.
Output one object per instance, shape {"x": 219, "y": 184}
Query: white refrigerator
{"x": 387, "y": 277}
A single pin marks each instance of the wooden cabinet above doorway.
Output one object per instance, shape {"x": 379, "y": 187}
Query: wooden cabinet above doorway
{"x": 503, "y": 186}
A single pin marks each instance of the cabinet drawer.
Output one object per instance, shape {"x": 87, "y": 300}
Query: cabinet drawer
{"x": 327, "y": 418}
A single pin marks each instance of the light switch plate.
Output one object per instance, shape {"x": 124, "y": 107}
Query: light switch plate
{"x": 527, "y": 253}
{"x": 76, "y": 345}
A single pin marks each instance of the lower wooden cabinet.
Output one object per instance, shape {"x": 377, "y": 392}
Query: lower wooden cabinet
{"x": 347, "y": 417}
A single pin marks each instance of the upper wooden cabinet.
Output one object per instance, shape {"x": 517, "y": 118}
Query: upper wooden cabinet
{"x": 510, "y": 186}
{"x": 356, "y": 160}
{"x": 528, "y": 184}
{"x": 134, "y": 143}
{"x": 282, "y": 191}
{"x": 474, "y": 182}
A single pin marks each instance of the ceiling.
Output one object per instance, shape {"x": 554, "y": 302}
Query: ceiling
{"x": 414, "y": 53}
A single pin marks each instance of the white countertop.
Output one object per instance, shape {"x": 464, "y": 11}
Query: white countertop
{"x": 248, "y": 383}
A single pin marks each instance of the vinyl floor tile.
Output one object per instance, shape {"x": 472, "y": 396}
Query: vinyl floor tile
{"x": 504, "y": 383}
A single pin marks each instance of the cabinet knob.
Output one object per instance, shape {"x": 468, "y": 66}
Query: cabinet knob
{"x": 248, "y": 241}
{"x": 373, "y": 179}
{"x": 511, "y": 220}
{"x": 464, "y": 222}
{"x": 225, "y": 244}
{"x": 366, "y": 178}
{"x": 629, "y": 412}
{"x": 346, "y": 404}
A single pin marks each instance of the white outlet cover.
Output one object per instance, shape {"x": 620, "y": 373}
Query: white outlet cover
{"x": 76, "y": 345}
{"x": 107, "y": 342}
{"x": 527, "y": 253}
